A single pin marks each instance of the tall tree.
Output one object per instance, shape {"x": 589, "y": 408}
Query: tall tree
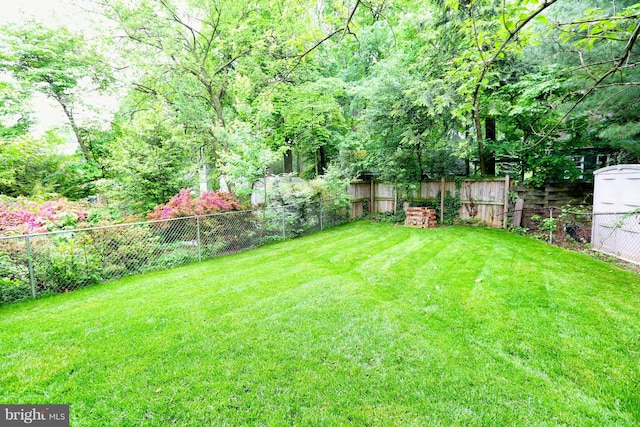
{"x": 150, "y": 160}
{"x": 58, "y": 63}
{"x": 193, "y": 55}
{"x": 15, "y": 114}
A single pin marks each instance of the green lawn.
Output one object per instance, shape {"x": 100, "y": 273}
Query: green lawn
{"x": 364, "y": 324}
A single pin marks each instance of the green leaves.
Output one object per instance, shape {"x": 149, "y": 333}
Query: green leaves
{"x": 600, "y": 26}
{"x": 53, "y": 60}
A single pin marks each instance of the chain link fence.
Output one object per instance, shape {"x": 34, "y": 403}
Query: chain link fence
{"x": 612, "y": 233}
{"x": 39, "y": 264}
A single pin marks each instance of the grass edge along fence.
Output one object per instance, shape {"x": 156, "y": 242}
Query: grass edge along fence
{"x": 35, "y": 265}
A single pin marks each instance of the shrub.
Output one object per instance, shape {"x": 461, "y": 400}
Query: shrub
{"x": 23, "y": 216}
{"x": 214, "y": 230}
{"x": 184, "y": 204}
{"x": 174, "y": 255}
{"x": 64, "y": 263}
{"x": 13, "y": 286}
{"x": 125, "y": 250}
{"x": 303, "y": 205}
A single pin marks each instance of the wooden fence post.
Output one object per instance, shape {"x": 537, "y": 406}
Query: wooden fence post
{"x": 373, "y": 196}
{"x": 506, "y": 201}
{"x": 442, "y": 201}
{"x": 395, "y": 199}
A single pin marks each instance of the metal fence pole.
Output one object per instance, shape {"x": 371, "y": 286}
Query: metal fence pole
{"x": 262, "y": 224}
{"x": 199, "y": 240}
{"x": 284, "y": 233}
{"x": 321, "y": 214}
{"x": 32, "y": 281}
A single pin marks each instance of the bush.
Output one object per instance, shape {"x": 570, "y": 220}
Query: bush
{"x": 184, "y": 204}
{"x": 23, "y": 216}
{"x": 303, "y": 205}
{"x": 13, "y": 286}
{"x": 64, "y": 263}
{"x": 124, "y": 250}
{"x": 228, "y": 233}
{"x": 174, "y": 255}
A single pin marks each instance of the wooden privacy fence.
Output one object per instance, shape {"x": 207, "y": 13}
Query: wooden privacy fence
{"x": 482, "y": 200}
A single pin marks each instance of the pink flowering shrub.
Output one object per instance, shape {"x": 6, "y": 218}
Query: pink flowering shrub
{"x": 23, "y": 216}
{"x": 184, "y": 204}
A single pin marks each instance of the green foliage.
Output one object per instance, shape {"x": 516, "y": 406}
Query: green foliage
{"x": 123, "y": 251}
{"x": 66, "y": 263}
{"x": 520, "y": 231}
{"x": 307, "y": 119}
{"x": 31, "y": 167}
{"x": 546, "y": 227}
{"x": 14, "y": 280}
{"x": 452, "y": 205}
{"x": 150, "y": 161}
{"x": 290, "y": 210}
{"x": 248, "y": 157}
{"x": 332, "y": 189}
{"x": 176, "y": 255}
{"x": 404, "y": 109}
{"x": 53, "y": 60}
{"x": 398, "y": 88}
{"x": 302, "y": 206}
{"x": 58, "y": 63}
{"x": 15, "y": 116}
{"x": 389, "y": 217}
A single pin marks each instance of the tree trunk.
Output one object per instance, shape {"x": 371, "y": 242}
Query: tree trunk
{"x": 288, "y": 161}
{"x": 419, "y": 156}
{"x": 322, "y": 161}
{"x": 478, "y": 125}
{"x": 489, "y": 156}
{"x": 76, "y": 130}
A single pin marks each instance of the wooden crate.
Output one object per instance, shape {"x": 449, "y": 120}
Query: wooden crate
{"x": 420, "y": 217}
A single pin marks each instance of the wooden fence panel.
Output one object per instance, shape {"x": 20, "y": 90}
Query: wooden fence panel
{"x": 485, "y": 200}
{"x": 429, "y": 189}
{"x": 360, "y": 195}
{"x": 537, "y": 201}
{"x": 385, "y": 197}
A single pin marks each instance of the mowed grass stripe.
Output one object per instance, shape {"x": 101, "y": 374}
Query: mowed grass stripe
{"x": 364, "y": 324}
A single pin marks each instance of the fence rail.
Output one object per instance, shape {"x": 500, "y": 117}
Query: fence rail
{"x": 38, "y": 264}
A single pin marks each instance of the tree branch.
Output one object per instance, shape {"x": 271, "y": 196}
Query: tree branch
{"x": 625, "y": 56}
{"x": 308, "y": 51}
{"x": 231, "y": 61}
{"x": 597, "y": 20}
{"x": 349, "y": 19}
{"x": 504, "y": 44}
